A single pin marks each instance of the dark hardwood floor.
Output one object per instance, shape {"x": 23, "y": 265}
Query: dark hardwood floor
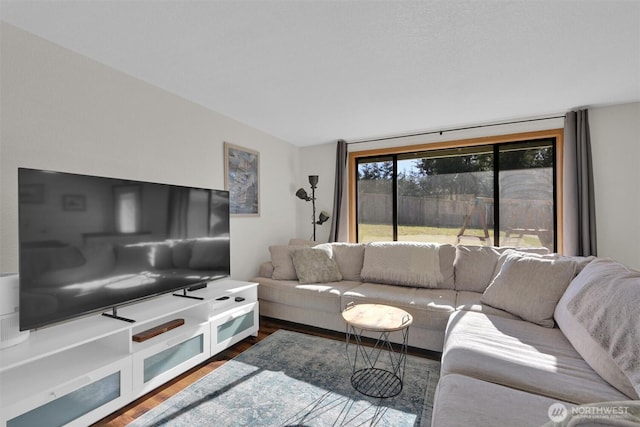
{"x": 268, "y": 326}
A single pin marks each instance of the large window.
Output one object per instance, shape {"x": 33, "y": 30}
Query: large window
{"x": 500, "y": 193}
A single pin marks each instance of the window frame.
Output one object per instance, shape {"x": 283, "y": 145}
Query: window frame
{"x": 494, "y": 141}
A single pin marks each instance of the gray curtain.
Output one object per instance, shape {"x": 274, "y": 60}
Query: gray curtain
{"x": 341, "y": 170}
{"x": 579, "y": 222}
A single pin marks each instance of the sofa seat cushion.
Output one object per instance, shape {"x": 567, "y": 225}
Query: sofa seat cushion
{"x": 467, "y": 401}
{"x": 523, "y": 356}
{"x": 430, "y": 308}
{"x": 470, "y": 301}
{"x": 315, "y": 296}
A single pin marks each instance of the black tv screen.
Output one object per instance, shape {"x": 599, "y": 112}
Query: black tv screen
{"x": 90, "y": 243}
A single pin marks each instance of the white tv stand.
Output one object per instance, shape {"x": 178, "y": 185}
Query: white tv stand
{"x": 78, "y": 372}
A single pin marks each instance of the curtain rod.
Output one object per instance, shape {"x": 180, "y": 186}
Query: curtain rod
{"x": 452, "y": 130}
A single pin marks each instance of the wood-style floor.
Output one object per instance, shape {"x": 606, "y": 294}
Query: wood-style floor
{"x": 268, "y": 326}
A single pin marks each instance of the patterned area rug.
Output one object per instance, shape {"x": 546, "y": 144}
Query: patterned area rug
{"x": 293, "y": 379}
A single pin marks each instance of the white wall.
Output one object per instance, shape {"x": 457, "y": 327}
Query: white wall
{"x": 615, "y": 144}
{"x": 316, "y": 160}
{"x": 63, "y": 111}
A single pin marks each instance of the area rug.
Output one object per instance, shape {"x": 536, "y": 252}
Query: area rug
{"x": 294, "y": 379}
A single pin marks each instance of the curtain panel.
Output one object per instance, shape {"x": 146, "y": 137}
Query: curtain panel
{"x": 579, "y": 216}
{"x": 339, "y": 218}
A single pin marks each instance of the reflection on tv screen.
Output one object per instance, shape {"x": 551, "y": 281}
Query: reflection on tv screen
{"x": 89, "y": 243}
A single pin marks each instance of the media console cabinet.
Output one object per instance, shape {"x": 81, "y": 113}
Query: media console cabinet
{"x": 78, "y": 372}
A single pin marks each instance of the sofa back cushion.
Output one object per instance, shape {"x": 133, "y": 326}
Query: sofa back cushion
{"x": 476, "y": 266}
{"x": 447, "y": 255}
{"x": 181, "y": 253}
{"x": 402, "y": 263}
{"x": 283, "y": 268}
{"x": 350, "y": 258}
{"x": 599, "y": 315}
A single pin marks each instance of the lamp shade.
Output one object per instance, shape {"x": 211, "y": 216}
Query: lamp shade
{"x": 301, "y": 194}
{"x": 324, "y": 217}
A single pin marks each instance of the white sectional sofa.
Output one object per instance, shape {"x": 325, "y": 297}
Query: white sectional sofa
{"x": 526, "y": 337}
{"x": 399, "y": 278}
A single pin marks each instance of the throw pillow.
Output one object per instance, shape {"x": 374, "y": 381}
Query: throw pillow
{"x": 521, "y": 252}
{"x": 530, "y": 287}
{"x": 315, "y": 265}
{"x": 283, "y": 268}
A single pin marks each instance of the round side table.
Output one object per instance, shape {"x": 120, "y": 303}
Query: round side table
{"x": 377, "y": 371}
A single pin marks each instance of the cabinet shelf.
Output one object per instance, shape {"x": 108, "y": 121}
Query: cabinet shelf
{"x": 46, "y": 374}
{"x": 55, "y": 363}
{"x": 47, "y": 342}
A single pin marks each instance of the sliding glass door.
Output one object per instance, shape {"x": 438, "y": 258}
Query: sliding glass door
{"x": 499, "y": 194}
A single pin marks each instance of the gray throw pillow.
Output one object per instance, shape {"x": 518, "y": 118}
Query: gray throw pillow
{"x": 315, "y": 265}
{"x": 530, "y": 287}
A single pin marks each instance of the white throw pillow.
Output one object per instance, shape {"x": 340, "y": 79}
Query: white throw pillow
{"x": 530, "y": 287}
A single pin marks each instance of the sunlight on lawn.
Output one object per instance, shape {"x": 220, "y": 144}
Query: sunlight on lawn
{"x": 384, "y": 232}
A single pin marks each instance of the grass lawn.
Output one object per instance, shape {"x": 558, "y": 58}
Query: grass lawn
{"x": 384, "y": 232}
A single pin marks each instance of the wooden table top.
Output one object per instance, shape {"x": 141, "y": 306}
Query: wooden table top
{"x": 377, "y": 317}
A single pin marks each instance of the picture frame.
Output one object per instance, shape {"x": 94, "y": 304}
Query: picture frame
{"x": 74, "y": 202}
{"x": 242, "y": 180}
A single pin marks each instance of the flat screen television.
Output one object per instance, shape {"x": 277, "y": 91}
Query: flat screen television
{"x": 90, "y": 243}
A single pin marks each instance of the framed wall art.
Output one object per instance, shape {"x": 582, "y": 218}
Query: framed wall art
{"x": 242, "y": 180}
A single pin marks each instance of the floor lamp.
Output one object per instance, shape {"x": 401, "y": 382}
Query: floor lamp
{"x": 302, "y": 194}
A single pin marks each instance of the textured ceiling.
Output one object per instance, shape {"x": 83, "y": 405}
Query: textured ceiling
{"x": 311, "y": 72}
